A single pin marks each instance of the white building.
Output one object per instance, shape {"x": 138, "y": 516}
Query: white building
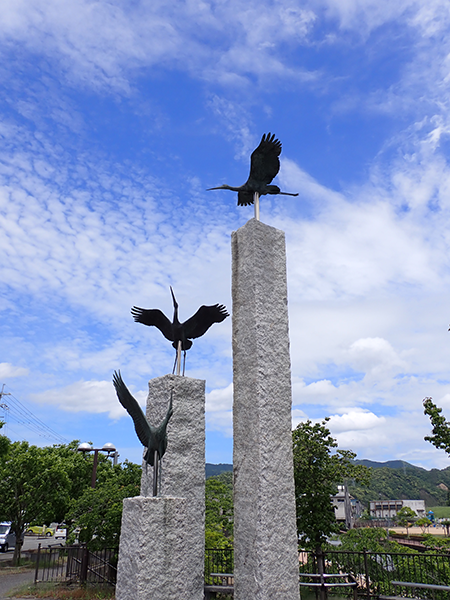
{"x": 346, "y": 508}
{"x": 388, "y": 509}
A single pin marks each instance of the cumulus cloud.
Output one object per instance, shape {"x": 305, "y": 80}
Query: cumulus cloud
{"x": 8, "y": 371}
{"x": 219, "y": 415}
{"x": 374, "y": 357}
{"x": 88, "y": 396}
{"x": 356, "y": 420}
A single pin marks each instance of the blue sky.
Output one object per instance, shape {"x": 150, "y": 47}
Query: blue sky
{"x": 116, "y": 117}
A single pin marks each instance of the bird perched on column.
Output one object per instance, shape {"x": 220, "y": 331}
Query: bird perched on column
{"x": 264, "y": 166}
{"x": 153, "y": 438}
{"x": 181, "y": 333}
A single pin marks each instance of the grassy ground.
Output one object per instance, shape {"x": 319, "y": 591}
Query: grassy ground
{"x": 59, "y": 592}
{"x": 441, "y": 512}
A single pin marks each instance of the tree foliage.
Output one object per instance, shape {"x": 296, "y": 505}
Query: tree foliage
{"x": 34, "y": 486}
{"x": 53, "y": 484}
{"x": 374, "y": 539}
{"x": 440, "y": 437}
{"x": 405, "y": 517}
{"x": 319, "y": 466}
{"x": 423, "y": 523}
{"x": 97, "y": 512}
{"x": 219, "y": 511}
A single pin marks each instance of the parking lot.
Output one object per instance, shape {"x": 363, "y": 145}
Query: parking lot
{"x": 31, "y": 542}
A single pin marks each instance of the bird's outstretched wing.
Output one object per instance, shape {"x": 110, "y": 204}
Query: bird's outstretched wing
{"x": 199, "y": 323}
{"x": 245, "y": 198}
{"x": 264, "y": 163}
{"x": 133, "y": 409}
{"x": 155, "y": 317}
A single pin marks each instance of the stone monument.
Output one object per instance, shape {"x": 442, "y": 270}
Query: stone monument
{"x": 162, "y": 545}
{"x": 265, "y": 534}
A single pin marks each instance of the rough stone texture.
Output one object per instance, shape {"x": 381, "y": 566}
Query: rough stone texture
{"x": 265, "y": 536}
{"x": 155, "y": 551}
{"x": 162, "y": 542}
{"x": 183, "y": 465}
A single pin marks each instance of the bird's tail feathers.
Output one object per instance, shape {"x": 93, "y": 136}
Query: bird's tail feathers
{"x": 273, "y": 189}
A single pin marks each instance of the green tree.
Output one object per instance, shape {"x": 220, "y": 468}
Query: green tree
{"x": 97, "y": 512}
{"x": 374, "y": 539}
{"x": 405, "y": 517}
{"x": 446, "y": 524}
{"x": 219, "y": 511}
{"x": 423, "y": 523}
{"x": 441, "y": 428}
{"x": 34, "y": 486}
{"x": 319, "y": 466}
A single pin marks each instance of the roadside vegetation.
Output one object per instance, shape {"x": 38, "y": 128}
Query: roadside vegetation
{"x": 49, "y": 590}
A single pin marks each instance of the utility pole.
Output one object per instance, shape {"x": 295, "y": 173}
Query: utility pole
{"x": 3, "y": 393}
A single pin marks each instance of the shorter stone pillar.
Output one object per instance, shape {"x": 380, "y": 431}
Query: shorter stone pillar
{"x": 155, "y": 551}
{"x": 162, "y": 541}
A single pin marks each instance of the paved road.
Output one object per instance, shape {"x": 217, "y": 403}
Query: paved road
{"x": 12, "y": 580}
{"x": 31, "y": 542}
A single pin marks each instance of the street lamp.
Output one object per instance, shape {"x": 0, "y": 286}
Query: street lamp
{"x": 108, "y": 448}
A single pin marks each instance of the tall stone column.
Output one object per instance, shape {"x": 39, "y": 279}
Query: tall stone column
{"x": 162, "y": 542}
{"x": 265, "y": 534}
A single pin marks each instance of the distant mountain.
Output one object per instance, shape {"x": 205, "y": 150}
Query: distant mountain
{"x": 390, "y": 464}
{"x": 211, "y": 470}
{"x": 399, "y": 480}
{"x": 390, "y": 480}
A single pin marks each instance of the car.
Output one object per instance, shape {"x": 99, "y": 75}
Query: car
{"x": 60, "y": 532}
{"x": 40, "y": 530}
{"x": 7, "y": 537}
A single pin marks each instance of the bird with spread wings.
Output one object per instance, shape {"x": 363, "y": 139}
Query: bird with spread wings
{"x": 153, "y": 438}
{"x": 264, "y": 166}
{"x": 181, "y": 333}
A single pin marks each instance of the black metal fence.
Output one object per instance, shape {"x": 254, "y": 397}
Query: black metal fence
{"x": 374, "y": 572}
{"x": 76, "y": 564}
{"x": 218, "y": 560}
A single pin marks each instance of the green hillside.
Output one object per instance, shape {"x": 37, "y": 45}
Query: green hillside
{"x": 212, "y": 470}
{"x": 392, "y": 480}
{"x": 399, "y": 480}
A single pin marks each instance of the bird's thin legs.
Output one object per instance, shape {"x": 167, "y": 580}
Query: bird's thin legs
{"x": 256, "y": 203}
{"x": 155, "y": 474}
{"x": 179, "y": 357}
{"x": 175, "y": 363}
{"x": 184, "y": 361}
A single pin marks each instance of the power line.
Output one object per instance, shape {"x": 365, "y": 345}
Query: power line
{"x": 14, "y": 410}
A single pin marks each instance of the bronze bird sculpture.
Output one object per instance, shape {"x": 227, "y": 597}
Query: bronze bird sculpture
{"x": 264, "y": 165}
{"x": 181, "y": 333}
{"x": 153, "y": 438}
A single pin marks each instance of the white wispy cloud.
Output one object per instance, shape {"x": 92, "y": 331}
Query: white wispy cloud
{"x": 8, "y": 371}
{"x": 87, "y": 396}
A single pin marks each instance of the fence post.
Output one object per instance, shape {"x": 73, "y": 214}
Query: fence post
{"x": 321, "y": 571}
{"x": 366, "y": 572}
{"x": 84, "y": 565}
{"x": 36, "y": 572}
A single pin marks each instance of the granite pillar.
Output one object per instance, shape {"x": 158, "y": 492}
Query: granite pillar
{"x": 265, "y": 535}
{"x": 162, "y": 542}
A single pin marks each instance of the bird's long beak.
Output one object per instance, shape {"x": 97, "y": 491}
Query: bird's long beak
{"x": 220, "y": 187}
{"x": 175, "y": 303}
